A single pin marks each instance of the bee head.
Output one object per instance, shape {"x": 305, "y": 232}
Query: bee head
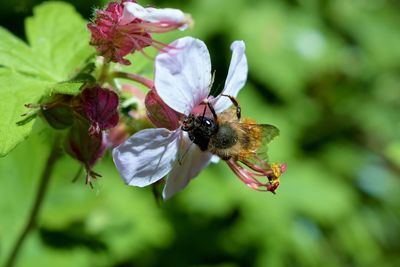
{"x": 188, "y": 122}
{"x": 204, "y": 123}
{"x": 200, "y": 124}
{"x": 200, "y": 129}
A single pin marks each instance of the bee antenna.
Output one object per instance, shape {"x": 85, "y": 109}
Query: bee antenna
{"x": 204, "y": 112}
{"x": 212, "y": 111}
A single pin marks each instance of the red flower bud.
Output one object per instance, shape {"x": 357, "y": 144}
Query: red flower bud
{"x": 99, "y": 107}
{"x": 160, "y": 114}
{"x": 86, "y": 148}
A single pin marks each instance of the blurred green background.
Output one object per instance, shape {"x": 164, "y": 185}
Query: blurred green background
{"x": 327, "y": 73}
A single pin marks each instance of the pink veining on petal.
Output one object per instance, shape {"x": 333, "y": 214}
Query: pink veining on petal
{"x": 201, "y": 110}
{"x": 183, "y": 75}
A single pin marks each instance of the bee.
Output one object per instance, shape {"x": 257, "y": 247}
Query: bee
{"x": 227, "y": 135}
{"x": 238, "y": 142}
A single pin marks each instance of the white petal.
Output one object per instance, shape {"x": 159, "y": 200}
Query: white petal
{"x": 147, "y": 156}
{"x": 150, "y": 14}
{"x": 127, "y": 16}
{"x": 193, "y": 162}
{"x": 237, "y": 76}
{"x": 170, "y": 15}
{"x": 134, "y": 10}
{"x": 183, "y": 74}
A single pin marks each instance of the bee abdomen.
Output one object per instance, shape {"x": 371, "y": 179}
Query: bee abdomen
{"x": 226, "y": 137}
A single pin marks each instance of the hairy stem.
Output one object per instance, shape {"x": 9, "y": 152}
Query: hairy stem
{"x": 134, "y": 77}
{"x": 42, "y": 188}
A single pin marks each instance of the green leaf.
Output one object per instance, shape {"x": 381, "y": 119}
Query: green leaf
{"x": 16, "y": 90}
{"x": 14, "y": 96}
{"x": 17, "y": 55}
{"x": 58, "y": 35}
{"x": 58, "y": 49}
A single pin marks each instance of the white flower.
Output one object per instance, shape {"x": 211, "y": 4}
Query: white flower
{"x": 164, "y": 17}
{"x": 182, "y": 80}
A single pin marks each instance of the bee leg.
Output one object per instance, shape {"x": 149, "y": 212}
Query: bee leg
{"x": 208, "y": 104}
{"x": 236, "y": 103}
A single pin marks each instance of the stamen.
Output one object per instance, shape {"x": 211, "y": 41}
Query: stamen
{"x": 250, "y": 177}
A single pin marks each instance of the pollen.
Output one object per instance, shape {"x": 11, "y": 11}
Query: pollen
{"x": 276, "y": 169}
{"x": 254, "y": 134}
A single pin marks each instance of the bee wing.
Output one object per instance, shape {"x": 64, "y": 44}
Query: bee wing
{"x": 269, "y": 132}
{"x": 255, "y": 138}
{"x": 257, "y": 132}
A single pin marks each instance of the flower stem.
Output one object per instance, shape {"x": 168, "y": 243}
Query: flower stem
{"x": 103, "y": 73}
{"x": 42, "y": 188}
{"x": 134, "y": 77}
